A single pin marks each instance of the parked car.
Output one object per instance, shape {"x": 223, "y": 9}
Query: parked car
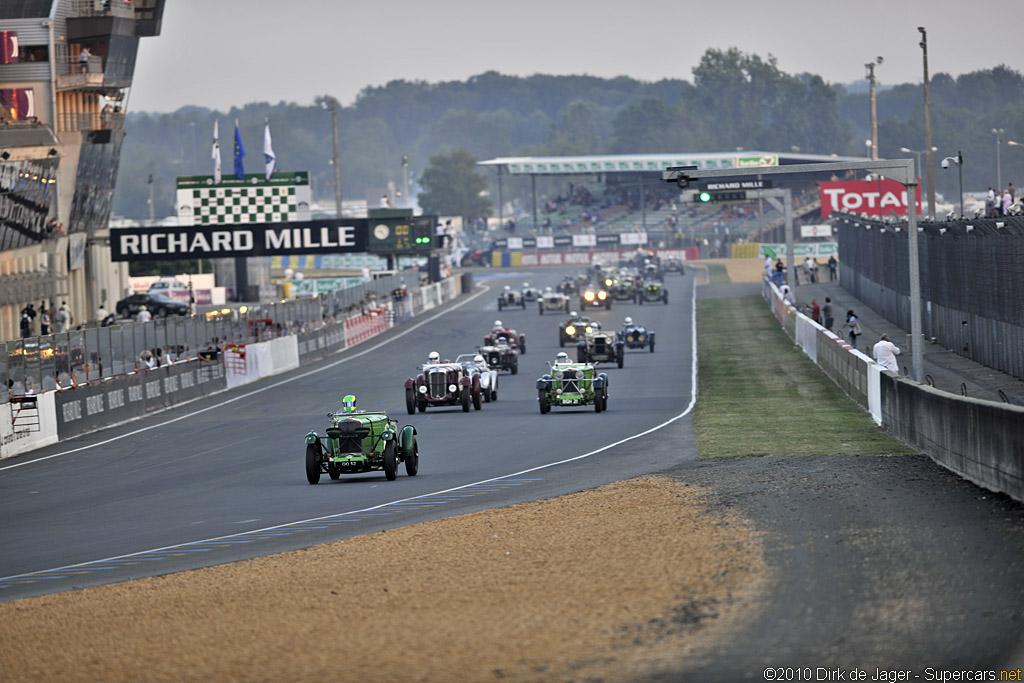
{"x": 511, "y": 297}
{"x": 601, "y": 347}
{"x": 652, "y": 291}
{"x": 476, "y": 363}
{"x": 361, "y": 442}
{"x": 501, "y": 356}
{"x": 553, "y": 301}
{"x": 442, "y": 384}
{"x": 636, "y": 336}
{"x": 159, "y": 305}
{"x": 575, "y": 328}
{"x": 572, "y": 385}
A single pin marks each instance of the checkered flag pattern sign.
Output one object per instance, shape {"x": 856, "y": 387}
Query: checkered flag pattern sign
{"x": 242, "y": 202}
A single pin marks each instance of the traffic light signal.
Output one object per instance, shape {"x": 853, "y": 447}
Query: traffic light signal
{"x": 704, "y": 196}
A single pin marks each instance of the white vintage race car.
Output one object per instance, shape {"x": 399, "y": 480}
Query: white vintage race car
{"x": 553, "y": 301}
{"x": 530, "y": 294}
{"x": 474, "y": 363}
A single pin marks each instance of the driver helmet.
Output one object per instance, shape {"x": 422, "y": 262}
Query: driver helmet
{"x": 562, "y": 357}
{"x": 478, "y": 358}
{"x": 525, "y": 285}
{"x": 348, "y": 404}
{"x": 507, "y": 288}
{"x": 497, "y": 324}
{"x": 627, "y": 321}
{"x": 573, "y": 314}
{"x": 434, "y": 357}
{"x": 502, "y": 341}
{"x": 547, "y": 289}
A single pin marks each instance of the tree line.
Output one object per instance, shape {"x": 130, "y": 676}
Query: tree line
{"x": 734, "y": 99}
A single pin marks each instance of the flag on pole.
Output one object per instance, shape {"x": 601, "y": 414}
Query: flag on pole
{"x": 239, "y": 154}
{"x": 216, "y": 152}
{"x": 268, "y": 150}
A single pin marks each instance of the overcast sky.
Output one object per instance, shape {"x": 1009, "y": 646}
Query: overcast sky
{"x": 224, "y": 53}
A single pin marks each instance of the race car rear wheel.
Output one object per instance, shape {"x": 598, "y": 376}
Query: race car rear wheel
{"x": 598, "y": 403}
{"x": 313, "y": 457}
{"x": 390, "y": 461}
{"x": 412, "y": 464}
{"x": 620, "y": 356}
{"x": 652, "y": 346}
{"x": 465, "y": 399}
{"x": 515, "y": 368}
{"x": 545, "y": 407}
{"x": 410, "y": 400}
{"x": 476, "y": 400}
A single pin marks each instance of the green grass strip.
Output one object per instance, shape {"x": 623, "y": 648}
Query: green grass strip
{"x": 759, "y": 394}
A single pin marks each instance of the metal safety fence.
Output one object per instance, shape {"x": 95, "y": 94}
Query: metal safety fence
{"x": 43, "y": 363}
{"x": 972, "y": 281}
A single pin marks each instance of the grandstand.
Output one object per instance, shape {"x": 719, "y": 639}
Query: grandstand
{"x": 625, "y": 193}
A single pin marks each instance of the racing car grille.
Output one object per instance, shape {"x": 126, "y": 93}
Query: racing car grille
{"x": 437, "y": 383}
{"x": 494, "y": 358}
{"x": 570, "y": 384}
{"x": 599, "y": 345}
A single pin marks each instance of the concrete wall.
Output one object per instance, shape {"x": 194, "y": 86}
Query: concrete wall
{"x": 982, "y": 441}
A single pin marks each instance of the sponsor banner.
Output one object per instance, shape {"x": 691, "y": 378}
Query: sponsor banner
{"x": 546, "y": 242}
{"x": 101, "y": 403}
{"x": 823, "y": 230}
{"x": 586, "y": 258}
{"x": 584, "y": 240}
{"x": 736, "y": 185}
{"x": 76, "y": 250}
{"x": 310, "y": 237}
{"x": 515, "y": 242}
{"x": 633, "y": 238}
{"x": 871, "y": 197}
{"x": 312, "y": 346}
{"x": 27, "y": 426}
{"x": 813, "y": 249}
{"x": 607, "y": 240}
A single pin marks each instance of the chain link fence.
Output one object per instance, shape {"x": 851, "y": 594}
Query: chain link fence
{"x": 972, "y": 281}
{"x": 44, "y": 363}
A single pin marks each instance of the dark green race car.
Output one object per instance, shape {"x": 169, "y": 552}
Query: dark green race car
{"x": 361, "y": 442}
{"x": 652, "y": 291}
{"x": 572, "y": 385}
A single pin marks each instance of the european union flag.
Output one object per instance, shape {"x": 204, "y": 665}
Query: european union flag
{"x": 239, "y": 154}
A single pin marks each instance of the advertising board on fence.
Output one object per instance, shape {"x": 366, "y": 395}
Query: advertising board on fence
{"x": 873, "y": 197}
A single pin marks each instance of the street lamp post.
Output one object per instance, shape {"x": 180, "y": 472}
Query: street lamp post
{"x": 336, "y": 160}
{"x": 870, "y": 66}
{"x": 959, "y": 161}
{"x": 405, "y": 179}
{"x": 999, "y": 166}
{"x": 928, "y": 125}
{"x": 917, "y": 154}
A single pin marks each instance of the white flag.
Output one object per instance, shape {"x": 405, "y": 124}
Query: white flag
{"x": 216, "y": 152}
{"x": 268, "y": 150}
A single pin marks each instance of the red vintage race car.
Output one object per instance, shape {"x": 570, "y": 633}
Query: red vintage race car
{"x": 514, "y": 340}
{"x": 442, "y": 384}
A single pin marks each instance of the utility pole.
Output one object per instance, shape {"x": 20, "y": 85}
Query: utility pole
{"x": 152, "y": 207}
{"x": 405, "y": 179}
{"x": 999, "y": 165}
{"x": 929, "y": 157}
{"x": 870, "y": 66}
{"x": 337, "y": 160}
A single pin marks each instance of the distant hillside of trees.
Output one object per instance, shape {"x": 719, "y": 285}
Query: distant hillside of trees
{"x": 733, "y": 100}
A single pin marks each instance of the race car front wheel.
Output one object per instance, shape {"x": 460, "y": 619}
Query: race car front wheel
{"x": 390, "y": 462}
{"x": 412, "y": 463}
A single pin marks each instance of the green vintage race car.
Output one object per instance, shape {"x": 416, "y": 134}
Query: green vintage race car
{"x": 572, "y": 385}
{"x": 652, "y": 291}
{"x": 357, "y": 441}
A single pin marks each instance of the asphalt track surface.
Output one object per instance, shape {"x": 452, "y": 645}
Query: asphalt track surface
{"x": 222, "y": 478}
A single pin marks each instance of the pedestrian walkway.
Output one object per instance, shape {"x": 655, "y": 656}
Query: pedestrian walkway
{"x": 943, "y": 368}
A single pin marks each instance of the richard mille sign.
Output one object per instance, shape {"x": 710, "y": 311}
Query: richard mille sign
{"x": 331, "y": 236}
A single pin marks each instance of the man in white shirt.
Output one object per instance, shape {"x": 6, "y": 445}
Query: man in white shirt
{"x": 143, "y": 315}
{"x": 885, "y": 353}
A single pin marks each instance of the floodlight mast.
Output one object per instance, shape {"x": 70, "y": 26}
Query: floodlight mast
{"x": 900, "y": 170}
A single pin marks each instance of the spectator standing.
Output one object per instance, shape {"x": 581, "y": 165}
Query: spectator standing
{"x": 853, "y": 327}
{"x": 30, "y": 311}
{"x": 44, "y": 319}
{"x": 768, "y": 265}
{"x": 885, "y": 353}
{"x": 832, "y": 263}
{"x": 385, "y": 203}
{"x": 779, "y": 267}
{"x": 1007, "y": 202}
{"x": 26, "y": 324}
{"x": 83, "y": 59}
{"x": 990, "y": 203}
{"x": 143, "y": 316}
{"x": 826, "y": 313}
{"x": 102, "y": 314}
{"x": 67, "y": 312}
{"x": 815, "y": 311}
{"x": 60, "y": 320}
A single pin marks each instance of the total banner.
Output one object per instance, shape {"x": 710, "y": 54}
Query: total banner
{"x": 874, "y": 197}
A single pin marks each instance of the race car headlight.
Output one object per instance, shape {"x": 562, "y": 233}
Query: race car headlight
{"x": 608, "y": 283}
{"x": 452, "y": 388}
{"x": 570, "y": 330}
{"x": 589, "y": 329}
{"x": 589, "y": 296}
{"x": 423, "y": 388}
{"x": 602, "y": 295}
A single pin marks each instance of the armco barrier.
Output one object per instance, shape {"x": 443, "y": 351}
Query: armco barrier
{"x": 97, "y": 404}
{"x": 982, "y": 441}
{"x": 518, "y": 259}
{"x": 101, "y": 403}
